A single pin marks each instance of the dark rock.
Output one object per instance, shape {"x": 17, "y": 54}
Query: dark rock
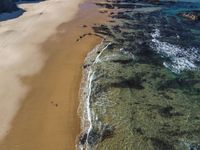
{"x": 194, "y": 147}
{"x": 83, "y": 138}
{"x": 111, "y": 21}
{"x": 107, "y": 132}
{"x": 103, "y": 30}
{"x": 139, "y": 131}
{"x": 96, "y": 135}
{"x": 125, "y": 61}
{"x": 112, "y": 13}
{"x": 134, "y": 82}
{"x": 177, "y": 83}
{"x": 93, "y": 137}
{"x": 193, "y": 15}
{"x": 160, "y": 144}
{"x": 85, "y": 66}
{"x": 168, "y": 112}
{"x": 84, "y": 26}
{"x": 116, "y": 29}
{"x": 105, "y": 5}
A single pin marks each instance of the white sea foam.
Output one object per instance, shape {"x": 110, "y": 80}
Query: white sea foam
{"x": 124, "y": 51}
{"x": 180, "y": 58}
{"x": 88, "y": 114}
{"x": 97, "y": 58}
{"x": 89, "y": 117}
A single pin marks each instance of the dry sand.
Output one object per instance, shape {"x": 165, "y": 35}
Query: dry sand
{"x": 19, "y": 51}
{"x": 39, "y": 86}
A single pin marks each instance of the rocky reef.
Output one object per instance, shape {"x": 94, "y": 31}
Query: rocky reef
{"x": 145, "y": 84}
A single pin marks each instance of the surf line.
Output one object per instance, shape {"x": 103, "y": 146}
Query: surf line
{"x": 90, "y": 79}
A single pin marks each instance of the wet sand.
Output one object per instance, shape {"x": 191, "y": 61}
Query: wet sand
{"x": 47, "y": 118}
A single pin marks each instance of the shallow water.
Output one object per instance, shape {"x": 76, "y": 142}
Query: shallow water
{"x": 145, "y": 88}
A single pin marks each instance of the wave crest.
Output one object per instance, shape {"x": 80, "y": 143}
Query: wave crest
{"x": 180, "y": 58}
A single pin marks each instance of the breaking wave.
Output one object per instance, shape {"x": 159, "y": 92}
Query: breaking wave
{"x": 180, "y": 58}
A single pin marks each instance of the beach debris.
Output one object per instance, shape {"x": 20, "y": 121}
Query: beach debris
{"x": 53, "y": 103}
{"x": 84, "y": 26}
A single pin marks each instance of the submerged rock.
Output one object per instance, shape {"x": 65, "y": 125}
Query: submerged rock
{"x": 168, "y": 112}
{"x": 194, "y": 146}
{"x": 93, "y": 137}
{"x": 160, "y": 144}
{"x": 83, "y": 138}
{"x": 107, "y": 132}
{"x": 96, "y": 135}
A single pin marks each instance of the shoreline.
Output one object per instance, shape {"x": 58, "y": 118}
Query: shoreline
{"x": 41, "y": 121}
{"x": 85, "y": 92}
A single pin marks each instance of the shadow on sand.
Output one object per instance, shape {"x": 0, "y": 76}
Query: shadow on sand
{"x": 16, "y": 13}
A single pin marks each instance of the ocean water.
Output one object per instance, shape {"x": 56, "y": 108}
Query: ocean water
{"x": 143, "y": 89}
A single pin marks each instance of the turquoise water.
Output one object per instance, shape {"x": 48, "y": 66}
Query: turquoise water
{"x": 145, "y": 84}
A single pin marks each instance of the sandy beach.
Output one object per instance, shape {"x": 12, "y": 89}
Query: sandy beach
{"x": 40, "y": 68}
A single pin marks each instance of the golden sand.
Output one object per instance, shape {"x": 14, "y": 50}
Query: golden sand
{"x": 20, "y": 53}
{"x": 47, "y": 118}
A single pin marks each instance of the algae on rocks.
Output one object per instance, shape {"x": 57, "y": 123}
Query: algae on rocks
{"x": 135, "y": 92}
